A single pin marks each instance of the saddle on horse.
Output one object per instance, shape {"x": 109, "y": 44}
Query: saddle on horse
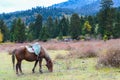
{"x": 34, "y": 48}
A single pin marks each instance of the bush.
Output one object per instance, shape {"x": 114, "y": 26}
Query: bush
{"x": 88, "y": 52}
{"x": 111, "y": 58}
{"x": 105, "y": 37}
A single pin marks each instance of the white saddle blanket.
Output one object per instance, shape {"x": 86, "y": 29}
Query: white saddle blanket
{"x": 29, "y": 49}
{"x": 34, "y": 48}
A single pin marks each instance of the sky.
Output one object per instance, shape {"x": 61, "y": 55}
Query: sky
{"x": 7, "y": 6}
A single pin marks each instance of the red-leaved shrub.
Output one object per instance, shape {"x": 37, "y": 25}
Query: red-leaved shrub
{"x": 83, "y": 53}
{"x": 110, "y": 58}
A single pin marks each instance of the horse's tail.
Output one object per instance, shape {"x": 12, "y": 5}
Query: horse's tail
{"x": 13, "y": 57}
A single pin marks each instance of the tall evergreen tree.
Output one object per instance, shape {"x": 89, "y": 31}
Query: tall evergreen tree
{"x": 56, "y": 29}
{"x": 30, "y": 32}
{"x": 21, "y": 31}
{"x": 116, "y": 26}
{"x": 82, "y": 21}
{"x": 44, "y": 35}
{"x": 13, "y": 36}
{"x": 37, "y": 26}
{"x": 91, "y": 21}
{"x": 50, "y": 26}
{"x": 18, "y": 31}
{"x": 75, "y": 27}
{"x": 63, "y": 26}
{"x": 106, "y": 17}
{"x": 106, "y": 4}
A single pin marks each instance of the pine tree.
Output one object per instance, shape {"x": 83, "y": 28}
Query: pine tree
{"x": 13, "y": 31}
{"x": 116, "y": 26}
{"x": 21, "y": 31}
{"x": 50, "y": 26}
{"x": 56, "y": 29}
{"x": 92, "y": 22}
{"x": 37, "y": 26}
{"x": 75, "y": 27}
{"x": 63, "y": 26}
{"x": 60, "y": 36}
{"x": 18, "y": 31}
{"x": 106, "y": 4}
{"x": 30, "y": 32}
{"x": 82, "y": 21}
{"x": 106, "y": 17}
{"x": 44, "y": 35}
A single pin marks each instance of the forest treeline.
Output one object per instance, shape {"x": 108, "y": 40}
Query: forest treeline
{"x": 104, "y": 25}
{"x": 29, "y": 15}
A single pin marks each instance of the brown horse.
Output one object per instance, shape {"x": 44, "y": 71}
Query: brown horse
{"x": 23, "y": 54}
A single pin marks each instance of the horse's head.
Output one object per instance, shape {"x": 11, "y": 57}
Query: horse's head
{"x": 50, "y": 65}
{"x": 49, "y": 62}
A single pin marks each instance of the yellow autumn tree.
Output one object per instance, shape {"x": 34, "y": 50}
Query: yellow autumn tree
{"x": 1, "y": 36}
{"x": 87, "y": 26}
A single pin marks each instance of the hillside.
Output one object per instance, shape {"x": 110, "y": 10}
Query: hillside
{"x": 74, "y": 4}
{"x": 84, "y": 7}
{"x": 29, "y": 15}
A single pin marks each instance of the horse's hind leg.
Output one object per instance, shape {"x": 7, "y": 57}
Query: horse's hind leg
{"x": 20, "y": 68}
{"x": 40, "y": 64}
{"x": 33, "y": 70}
{"x": 17, "y": 66}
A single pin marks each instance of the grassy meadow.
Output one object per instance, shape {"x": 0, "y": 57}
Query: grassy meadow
{"x": 64, "y": 69}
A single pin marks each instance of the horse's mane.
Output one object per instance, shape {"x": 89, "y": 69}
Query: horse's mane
{"x": 46, "y": 53}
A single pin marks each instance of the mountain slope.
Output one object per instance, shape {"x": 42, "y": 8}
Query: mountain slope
{"x": 92, "y": 8}
{"x": 73, "y": 4}
{"x": 29, "y": 15}
{"x": 85, "y": 7}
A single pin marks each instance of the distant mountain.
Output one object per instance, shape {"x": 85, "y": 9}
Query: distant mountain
{"x": 73, "y": 4}
{"x": 29, "y": 15}
{"x": 89, "y": 9}
{"x": 84, "y": 7}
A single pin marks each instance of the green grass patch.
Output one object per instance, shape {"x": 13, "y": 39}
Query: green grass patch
{"x": 64, "y": 69}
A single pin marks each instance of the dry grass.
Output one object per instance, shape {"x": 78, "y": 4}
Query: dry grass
{"x": 57, "y": 45}
{"x": 78, "y": 49}
{"x": 64, "y": 69}
{"x": 60, "y": 56}
{"x": 67, "y": 68}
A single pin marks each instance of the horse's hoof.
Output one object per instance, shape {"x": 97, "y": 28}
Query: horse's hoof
{"x": 22, "y": 73}
{"x": 41, "y": 71}
{"x": 33, "y": 71}
{"x": 17, "y": 74}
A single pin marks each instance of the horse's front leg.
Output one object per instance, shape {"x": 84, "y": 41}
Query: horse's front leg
{"x": 33, "y": 70}
{"x": 40, "y": 64}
